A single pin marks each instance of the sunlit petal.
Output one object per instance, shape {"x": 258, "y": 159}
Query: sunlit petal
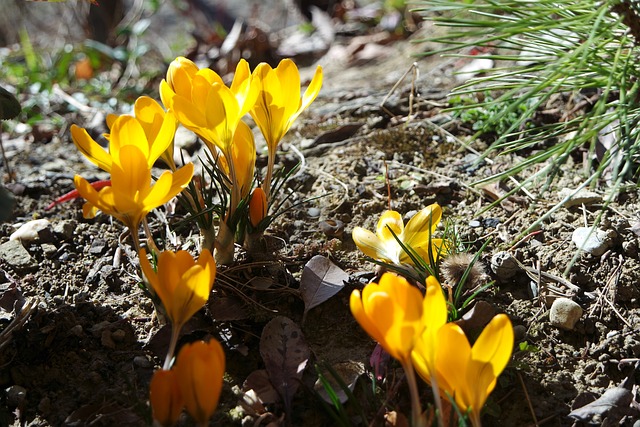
{"x": 91, "y": 149}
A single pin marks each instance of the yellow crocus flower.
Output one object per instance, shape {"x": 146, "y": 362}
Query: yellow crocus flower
{"x": 210, "y": 109}
{"x": 131, "y": 195}
{"x": 165, "y": 397}
{"x": 279, "y": 104}
{"x": 182, "y": 284}
{"x": 153, "y": 135}
{"x": 200, "y": 367}
{"x": 155, "y": 121}
{"x": 417, "y": 234}
{"x": 391, "y": 312}
{"x": 469, "y": 374}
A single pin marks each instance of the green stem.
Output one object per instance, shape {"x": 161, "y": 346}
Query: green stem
{"x": 266, "y": 185}
{"x": 134, "y": 237}
{"x": 436, "y": 397}
{"x": 150, "y": 242}
{"x": 175, "y": 333}
{"x": 417, "y": 418}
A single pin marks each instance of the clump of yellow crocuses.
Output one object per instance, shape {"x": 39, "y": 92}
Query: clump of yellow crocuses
{"x": 417, "y": 235}
{"x": 205, "y": 105}
{"x": 413, "y": 329}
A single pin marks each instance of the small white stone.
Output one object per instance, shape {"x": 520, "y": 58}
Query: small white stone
{"x": 594, "y": 241}
{"x": 28, "y": 232}
{"x": 473, "y": 68}
{"x": 565, "y": 313}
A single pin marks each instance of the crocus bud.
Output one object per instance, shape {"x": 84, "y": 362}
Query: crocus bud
{"x": 165, "y": 397}
{"x": 200, "y": 368}
{"x": 257, "y": 206}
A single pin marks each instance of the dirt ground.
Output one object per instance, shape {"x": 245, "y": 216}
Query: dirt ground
{"x": 85, "y": 346}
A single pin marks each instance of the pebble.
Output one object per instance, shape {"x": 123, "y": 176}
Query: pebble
{"x": 473, "y": 68}
{"x": 503, "y": 265}
{"x": 596, "y": 242}
{"x": 332, "y": 227}
{"x": 118, "y": 335}
{"x": 49, "y": 250}
{"x": 76, "y": 330}
{"x": 474, "y": 223}
{"x": 17, "y": 256}
{"x": 565, "y": 313}
{"x": 519, "y": 332}
{"x": 64, "y": 229}
{"x": 142, "y": 362}
{"x": 106, "y": 339}
{"x": 15, "y": 395}
{"x": 29, "y": 231}
{"x": 314, "y": 212}
{"x": 582, "y": 197}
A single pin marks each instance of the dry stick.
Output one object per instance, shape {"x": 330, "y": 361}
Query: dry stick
{"x": 526, "y": 395}
{"x": 386, "y": 180}
{"x": 414, "y": 68}
{"x": 5, "y": 160}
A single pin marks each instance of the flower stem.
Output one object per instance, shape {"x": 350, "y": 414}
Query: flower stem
{"x": 175, "y": 333}
{"x": 150, "y": 242}
{"x": 417, "y": 418}
{"x": 266, "y": 185}
{"x": 436, "y": 397}
{"x": 134, "y": 237}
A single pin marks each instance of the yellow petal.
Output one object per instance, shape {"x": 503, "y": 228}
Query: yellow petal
{"x": 150, "y": 275}
{"x": 163, "y": 190}
{"x": 127, "y": 131}
{"x": 166, "y": 95}
{"x": 165, "y": 397}
{"x": 452, "y": 357}
{"x": 244, "y": 157}
{"x": 289, "y": 79}
{"x": 489, "y": 356}
{"x": 421, "y": 226}
{"x": 313, "y": 90}
{"x": 200, "y": 368}
{"x": 371, "y": 245}
{"x": 91, "y": 149}
{"x": 390, "y": 221}
{"x": 393, "y": 309}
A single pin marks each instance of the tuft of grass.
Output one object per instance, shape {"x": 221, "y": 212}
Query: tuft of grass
{"x": 576, "y": 58}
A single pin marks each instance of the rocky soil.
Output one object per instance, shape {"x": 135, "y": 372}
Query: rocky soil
{"x": 79, "y": 340}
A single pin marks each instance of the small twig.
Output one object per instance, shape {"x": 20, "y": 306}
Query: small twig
{"x": 71, "y": 100}
{"x": 303, "y": 161}
{"x": 5, "y": 160}
{"x": 414, "y": 68}
{"x": 526, "y": 395}
{"x": 386, "y": 180}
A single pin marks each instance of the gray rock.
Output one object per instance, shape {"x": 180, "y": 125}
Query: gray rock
{"x": 565, "y": 313}
{"x": 594, "y": 241}
{"x": 64, "y": 228}
{"x": 17, "y": 256}
{"x": 503, "y": 265}
{"x": 584, "y": 196}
